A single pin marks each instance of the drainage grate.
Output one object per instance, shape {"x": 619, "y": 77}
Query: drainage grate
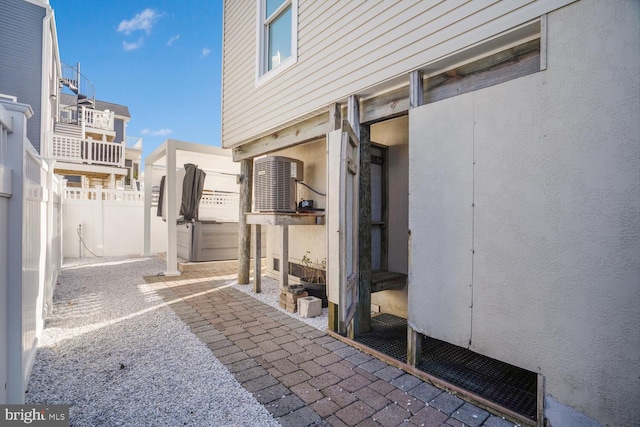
{"x": 508, "y": 386}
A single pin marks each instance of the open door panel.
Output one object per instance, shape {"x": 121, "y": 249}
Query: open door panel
{"x": 342, "y": 222}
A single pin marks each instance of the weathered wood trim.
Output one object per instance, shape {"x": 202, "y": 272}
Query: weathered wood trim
{"x": 353, "y": 114}
{"x": 257, "y": 258}
{"x": 334, "y": 322}
{"x": 305, "y": 131}
{"x": 414, "y": 346}
{"x": 455, "y": 85}
{"x": 384, "y": 232}
{"x": 540, "y": 401}
{"x": 363, "y": 316}
{"x": 244, "y": 230}
{"x": 269, "y": 218}
{"x": 491, "y": 70}
{"x": 284, "y": 258}
{"x": 416, "y": 89}
{"x": 335, "y": 117}
{"x": 543, "y": 42}
{"x": 391, "y": 104}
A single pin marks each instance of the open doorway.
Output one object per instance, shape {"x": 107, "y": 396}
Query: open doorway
{"x": 389, "y": 216}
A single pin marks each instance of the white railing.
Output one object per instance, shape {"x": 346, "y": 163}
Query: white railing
{"x": 97, "y": 119}
{"x": 99, "y": 193}
{"x": 219, "y": 199}
{"x": 30, "y": 248}
{"x": 91, "y": 151}
{"x": 134, "y": 142}
{"x": 218, "y": 205}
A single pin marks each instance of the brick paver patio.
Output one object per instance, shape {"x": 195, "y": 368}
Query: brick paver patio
{"x": 302, "y": 375}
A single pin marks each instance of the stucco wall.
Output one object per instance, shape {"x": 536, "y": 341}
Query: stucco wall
{"x": 304, "y": 238}
{"x": 551, "y": 162}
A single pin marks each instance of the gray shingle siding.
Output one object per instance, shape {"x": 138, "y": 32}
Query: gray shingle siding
{"x": 21, "y": 58}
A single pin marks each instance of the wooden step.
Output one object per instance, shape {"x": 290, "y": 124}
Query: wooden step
{"x": 385, "y": 280}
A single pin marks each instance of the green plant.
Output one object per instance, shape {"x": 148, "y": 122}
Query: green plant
{"x": 313, "y": 272}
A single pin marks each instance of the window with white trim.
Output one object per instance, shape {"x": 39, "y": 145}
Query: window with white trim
{"x": 277, "y": 35}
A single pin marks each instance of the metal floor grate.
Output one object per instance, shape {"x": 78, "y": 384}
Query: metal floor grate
{"x": 508, "y": 386}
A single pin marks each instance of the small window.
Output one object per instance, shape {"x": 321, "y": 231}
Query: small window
{"x": 277, "y": 35}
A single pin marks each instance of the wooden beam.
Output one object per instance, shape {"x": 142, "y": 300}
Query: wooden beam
{"x": 308, "y": 130}
{"x": 244, "y": 230}
{"x": 270, "y": 218}
{"x": 363, "y": 316}
{"x": 397, "y": 102}
{"x": 391, "y": 104}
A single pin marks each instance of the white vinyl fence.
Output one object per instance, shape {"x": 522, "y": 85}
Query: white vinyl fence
{"x": 30, "y": 248}
{"x": 100, "y": 222}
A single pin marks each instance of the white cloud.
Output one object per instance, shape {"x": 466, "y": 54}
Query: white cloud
{"x": 205, "y": 52}
{"x": 159, "y": 132}
{"x": 132, "y": 46}
{"x": 173, "y": 39}
{"x": 142, "y": 21}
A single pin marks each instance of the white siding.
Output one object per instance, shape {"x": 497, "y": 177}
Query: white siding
{"x": 347, "y": 47}
{"x": 556, "y": 224}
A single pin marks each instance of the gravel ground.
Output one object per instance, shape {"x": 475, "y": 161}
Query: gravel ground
{"x": 120, "y": 357}
{"x": 271, "y": 294}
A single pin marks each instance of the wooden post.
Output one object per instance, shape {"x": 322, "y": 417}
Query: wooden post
{"x": 284, "y": 262}
{"x": 244, "y": 230}
{"x": 414, "y": 346}
{"x": 540, "y": 401}
{"x": 363, "y": 317}
{"x": 335, "y": 117}
{"x": 257, "y": 258}
{"x": 353, "y": 113}
{"x": 335, "y": 122}
{"x": 353, "y": 117}
{"x": 414, "y": 339}
{"x": 416, "y": 93}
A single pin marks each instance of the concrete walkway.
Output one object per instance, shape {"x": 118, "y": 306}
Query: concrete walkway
{"x": 300, "y": 374}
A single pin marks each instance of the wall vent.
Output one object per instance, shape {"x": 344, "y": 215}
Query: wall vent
{"x": 274, "y": 180}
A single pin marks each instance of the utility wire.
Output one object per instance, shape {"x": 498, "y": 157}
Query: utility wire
{"x": 309, "y": 187}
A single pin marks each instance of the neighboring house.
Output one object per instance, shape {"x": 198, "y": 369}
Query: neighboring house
{"x": 29, "y": 63}
{"x": 30, "y": 192}
{"x": 489, "y": 162}
{"x": 89, "y": 142}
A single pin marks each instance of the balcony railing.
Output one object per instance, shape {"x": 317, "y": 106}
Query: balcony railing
{"x": 97, "y": 119}
{"x": 90, "y": 151}
{"x": 100, "y": 193}
{"x": 134, "y": 142}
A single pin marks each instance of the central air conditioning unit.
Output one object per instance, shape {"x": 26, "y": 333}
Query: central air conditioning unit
{"x": 274, "y": 180}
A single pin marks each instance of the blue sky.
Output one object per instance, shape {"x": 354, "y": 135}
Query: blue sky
{"x": 161, "y": 58}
